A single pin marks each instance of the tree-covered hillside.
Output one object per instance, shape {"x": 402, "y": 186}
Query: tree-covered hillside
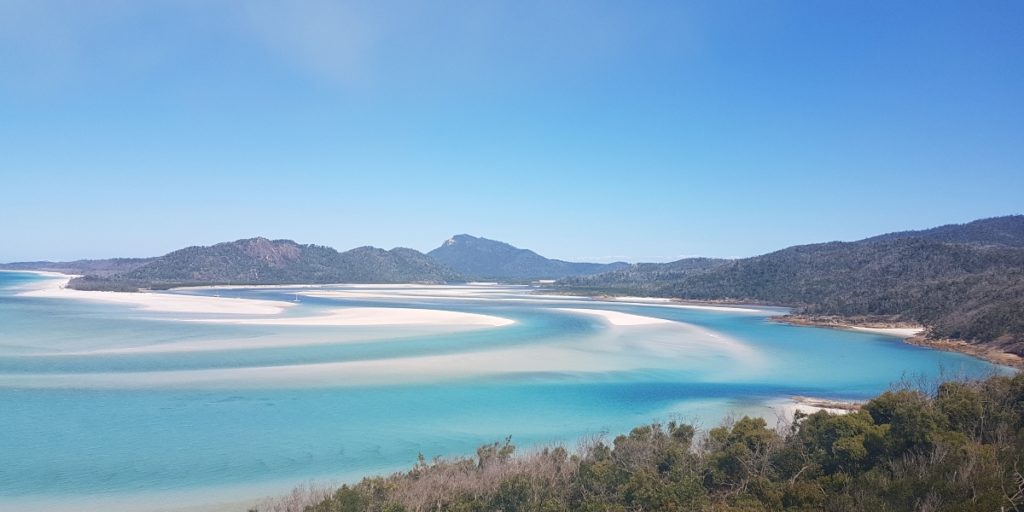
{"x": 971, "y": 291}
{"x": 642, "y": 278}
{"x": 1007, "y": 231}
{"x": 262, "y": 261}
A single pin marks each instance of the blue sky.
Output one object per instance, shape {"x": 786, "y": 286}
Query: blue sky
{"x": 583, "y": 130}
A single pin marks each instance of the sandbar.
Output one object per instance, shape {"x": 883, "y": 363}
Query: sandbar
{"x": 158, "y": 302}
{"x": 616, "y": 317}
{"x": 365, "y": 316}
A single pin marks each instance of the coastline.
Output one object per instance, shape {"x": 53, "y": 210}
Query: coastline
{"x": 992, "y": 355}
{"x": 910, "y": 333}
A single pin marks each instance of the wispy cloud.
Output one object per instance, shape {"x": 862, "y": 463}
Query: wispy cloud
{"x": 344, "y": 43}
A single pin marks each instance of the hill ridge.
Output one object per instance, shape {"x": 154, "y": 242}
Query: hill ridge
{"x": 482, "y": 258}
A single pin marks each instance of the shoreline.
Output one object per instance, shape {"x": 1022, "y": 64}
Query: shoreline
{"x": 813, "y": 404}
{"x": 992, "y": 355}
{"x": 910, "y": 333}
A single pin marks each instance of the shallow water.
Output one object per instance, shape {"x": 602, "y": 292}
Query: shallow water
{"x": 109, "y": 407}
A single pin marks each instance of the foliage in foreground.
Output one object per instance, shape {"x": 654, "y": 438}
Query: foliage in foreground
{"x": 958, "y": 448}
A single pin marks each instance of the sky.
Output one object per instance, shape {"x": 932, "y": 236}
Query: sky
{"x": 638, "y": 131}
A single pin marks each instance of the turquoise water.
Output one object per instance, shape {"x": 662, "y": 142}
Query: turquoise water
{"x": 103, "y": 404}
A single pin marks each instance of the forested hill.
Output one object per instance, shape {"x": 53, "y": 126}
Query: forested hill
{"x": 480, "y": 258}
{"x": 1007, "y": 231}
{"x": 262, "y": 261}
{"x": 964, "y": 282}
{"x": 93, "y": 267}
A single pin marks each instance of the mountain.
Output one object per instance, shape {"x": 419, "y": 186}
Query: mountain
{"x": 964, "y": 282}
{"x": 480, "y": 258}
{"x": 263, "y": 261}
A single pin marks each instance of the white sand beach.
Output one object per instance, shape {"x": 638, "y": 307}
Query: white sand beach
{"x": 899, "y": 332}
{"x": 158, "y": 302}
{"x": 786, "y": 408}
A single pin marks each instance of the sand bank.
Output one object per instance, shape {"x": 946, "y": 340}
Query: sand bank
{"x": 368, "y": 316}
{"x": 617, "y": 318}
{"x": 159, "y": 302}
{"x": 363, "y": 321}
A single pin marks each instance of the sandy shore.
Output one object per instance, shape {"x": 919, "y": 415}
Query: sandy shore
{"x": 811, "y": 405}
{"x": 368, "y": 316}
{"x": 786, "y": 408}
{"x": 899, "y": 332}
{"x": 158, "y": 302}
{"x": 617, "y": 318}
